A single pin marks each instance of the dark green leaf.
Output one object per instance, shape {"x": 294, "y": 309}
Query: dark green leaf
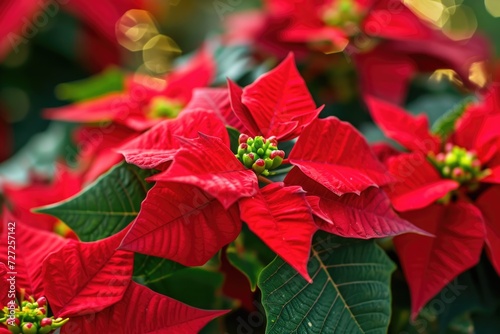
{"x": 234, "y": 136}
{"x": 350, "y": 292}
{"x": 107, "y": 205}
{"x": 111, "y": 80}
{"x": 245, "y": 260}
{"x": 196, "y": 286}
{"x": 445, "y": 125}
{"x": 149, "y": 270}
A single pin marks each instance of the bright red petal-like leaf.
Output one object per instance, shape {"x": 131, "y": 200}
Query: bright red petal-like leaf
{"x": 33, "y": 246}
{"x": 99, "y": 109}
{"x": 159, "y": 145}
{"x": 83, "y": 278}
{"x": 198, "y": 72}
{"x": 97, "y": 148}
{"x": 385, "y": 74}
{"x": 142, "y": 310}
{"x": 4, "y": 286}
{"x": 280, "y": 102}
{"x": 335, "y": 155}
{"x": 364, "y": 216}
{"x": 25, "y": 198}
{"x": 218, "y": 101}
{"x": 240, "y": 110}
{"x": 208, "y": 163}
{"x": 282, "y": 218}
{"x": 182, "y": 223}
{"x": 431, "y": 263}
{"x": 418, "y": 182}
{"x": 392, "y": 20}
{"x": 410, "y": 131}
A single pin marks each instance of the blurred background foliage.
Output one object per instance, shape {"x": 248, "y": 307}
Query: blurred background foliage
{"x": 32, "y": 74}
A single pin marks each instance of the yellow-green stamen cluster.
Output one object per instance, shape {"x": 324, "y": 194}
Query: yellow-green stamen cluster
{"x": 162, "y": 107}
{"x": 458, "y": 164}
{"x": 259, "y": 153}
{"x": 30, "y": 318}
{"x": 343, "y": 14}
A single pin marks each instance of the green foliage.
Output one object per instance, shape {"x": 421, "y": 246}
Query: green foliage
{"x": 111, "y": 80}
{"x": 106, "y": 206}
{"x": 350, "y": 292}
{"x": 445, "y": 124}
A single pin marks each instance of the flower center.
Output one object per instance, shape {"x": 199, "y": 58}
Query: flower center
{"x": 344, "y": 14}
{"x": 30, "y": 318}
{"x": 162, "y": 107}
{"x": 460, "y": 165}
{"x": 259, "y": 153}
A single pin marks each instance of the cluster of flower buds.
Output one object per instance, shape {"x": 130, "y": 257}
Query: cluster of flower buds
{"x": 259, "y": 153}
{"x": 343, "y": 14}
{"x": 458, "y": 164}
{"x": 30, "y": 318}
{"x": 162, "y": 107}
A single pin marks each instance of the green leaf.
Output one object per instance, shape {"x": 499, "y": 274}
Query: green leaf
{"x": 195, "y": 286}
{"x": 110, "y": 80}
{"x": 245, "y": 259}
{"x": 350, "y": 292}
{"x": 106, "y": 206}
{"x": 445, "y": 125}
{"x": 234, "y": 136}
{"x": 149, "y": 270}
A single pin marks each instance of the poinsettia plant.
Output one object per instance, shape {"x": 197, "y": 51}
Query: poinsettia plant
{"x": 223, "y": 196}
{"x": 446, "y": 185}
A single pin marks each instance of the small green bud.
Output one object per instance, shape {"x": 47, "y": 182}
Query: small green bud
{"x": 258, "y": 142}
{"x": 243, "y": 138}
{"x": 243, "y": 148}
{"x": 248, "y": 159}
{"x": 450, "y": 159}
{"x": 269, "y": 163}
{"x": 259, "y": 166}
{"x": 260, "y": 152}
{"x": 466, "y": 160}
{"x": 29, "y": 328}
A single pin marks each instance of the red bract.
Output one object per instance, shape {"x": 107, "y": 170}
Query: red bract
{"x": 143, "y": 311}
{"x": 23, "y": 198}
{"x": 387, "y": 41}
{"x": 33, "y": 247}
{"x": 183, "y": 223}
{"x": 336, "y": 156}
{"x": 91, "y": 284}
{"x": 157, "y": 147}
{"x": 84, "y": 278}
{"x": 206, "y": 177}
{"x": 277, "y": 104}
{"x": 446, "y": 187}
{"x": 146, "y": 101}
{"x": 97, "y": 148}
{"x": 124, "y": 115}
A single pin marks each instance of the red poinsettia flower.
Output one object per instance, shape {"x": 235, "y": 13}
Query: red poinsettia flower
{"x": 205, "y": 190}
{"x": 447, "y": 186}
{"x": 387, "y": 41}
{"x": 145, "y": 100}
{"x": 123, "y": 115}
{"x": 21, "y": 21}
{"x": 89, "y": 283}
{"x": 24, "y": 198}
